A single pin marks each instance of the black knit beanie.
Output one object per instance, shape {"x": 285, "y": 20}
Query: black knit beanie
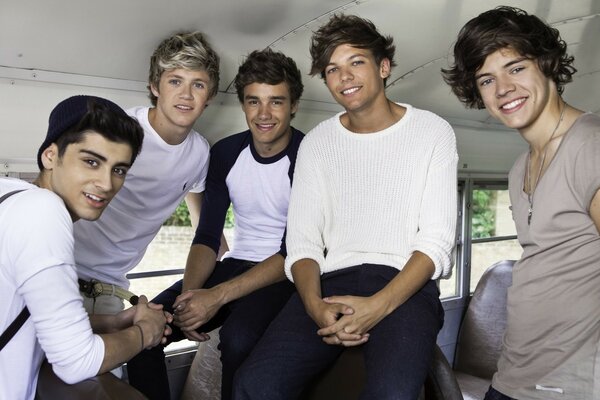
{"x": 67, "y": 114}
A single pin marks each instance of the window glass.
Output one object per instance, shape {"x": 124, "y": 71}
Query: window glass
{"x": 484, "y": 255}
{"x": 152, "y": 286}
{"x": 493, "y": 231}
{"x": 168, "y": 251}
{"x": 449, "y": 287}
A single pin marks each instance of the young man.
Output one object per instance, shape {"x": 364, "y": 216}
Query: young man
{"x": 251, "y": 170}
{"x": 90, "y": 146}
{"x": 184, "y": 76}
{"x": 371, "y": 224}
{"x": 515, "y": 65}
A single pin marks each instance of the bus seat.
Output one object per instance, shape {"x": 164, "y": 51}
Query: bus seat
{"x": 480, "y": 336}
{"x": 204, "y": 377}
{"x": 102, "y": 387}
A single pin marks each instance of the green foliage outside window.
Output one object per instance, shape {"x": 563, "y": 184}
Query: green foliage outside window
{"x": 484, "y": 216}
{"x": 181, "y": 217}
{"x": 229, "y": 218}
{"x": 483, "y": 223}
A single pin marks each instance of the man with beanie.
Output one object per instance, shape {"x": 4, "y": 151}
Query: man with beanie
{"x": 90, "y": 146}
{"x": 184, "y": 76}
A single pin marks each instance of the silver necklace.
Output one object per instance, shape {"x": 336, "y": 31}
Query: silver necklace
{"x": 537, "y": 179}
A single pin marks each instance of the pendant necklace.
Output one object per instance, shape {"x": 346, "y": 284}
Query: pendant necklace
{"x": 537, "y": 179}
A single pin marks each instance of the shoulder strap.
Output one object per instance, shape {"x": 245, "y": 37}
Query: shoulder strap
{"x": 14, "y": 327}
{"x": 7, "y": 195}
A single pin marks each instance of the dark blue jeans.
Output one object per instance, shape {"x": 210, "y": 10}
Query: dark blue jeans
{"x": 397, "y": 356}
{"x": 493, "y": 394}
{"x": 242, "y": 323}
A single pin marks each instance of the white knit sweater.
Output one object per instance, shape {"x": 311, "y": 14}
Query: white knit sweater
{"x": 375, "y": 198}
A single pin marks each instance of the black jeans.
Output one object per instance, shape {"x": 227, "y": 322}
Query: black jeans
{"x": 242, "y": 323}
{"x": 397, "y": 355}
{"x": 493, "y": 394}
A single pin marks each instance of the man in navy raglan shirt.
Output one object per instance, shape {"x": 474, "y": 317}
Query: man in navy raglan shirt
{"x": 253, "y": 171}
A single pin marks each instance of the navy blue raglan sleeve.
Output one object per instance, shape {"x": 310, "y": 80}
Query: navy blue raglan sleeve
{"x": 297, "y": 137}
{"x": 216, "y": 195}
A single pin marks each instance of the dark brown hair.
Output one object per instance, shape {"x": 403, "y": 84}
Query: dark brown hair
{"x": 112, "y": 125}
{"x": 506, "y": 27}
{"x": 352, "y": 30}
{"x": 270, "y": 67}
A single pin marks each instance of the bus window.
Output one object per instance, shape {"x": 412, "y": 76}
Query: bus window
{"x": 450, "y": 287}
{"x": 165, "y": 258}
{"x": 493, "y": 234}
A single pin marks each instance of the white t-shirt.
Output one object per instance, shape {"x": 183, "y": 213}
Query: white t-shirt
{"x": 107, "y": 249}
{"x": 37, "y": 270}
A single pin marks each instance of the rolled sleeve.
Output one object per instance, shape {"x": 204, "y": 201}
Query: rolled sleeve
{"x": 437, "y": 218}
{"x": 306, "y": 218}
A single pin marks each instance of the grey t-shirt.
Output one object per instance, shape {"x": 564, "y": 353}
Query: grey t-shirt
{"x": 552, "y": 340}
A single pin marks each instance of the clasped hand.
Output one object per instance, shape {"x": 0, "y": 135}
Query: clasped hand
{"x": 153, "y": 320}
{"x": 346, "y": 320}
{"x": 194, "y": 308}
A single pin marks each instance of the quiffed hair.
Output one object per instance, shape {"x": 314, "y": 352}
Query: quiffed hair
{"x": 188, "y": 50}
{"x": 506, "y": 27}
{"x": 352, "y": 30}
{"x": 75, "y": 116}
{"x": 270, "y": 67}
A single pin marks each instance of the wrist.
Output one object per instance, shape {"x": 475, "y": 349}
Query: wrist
{"x": 123, "y": 320}
{"x": 222, "y": 293}
{"x": 312, "y": 303}
{"x": 138, "y": 328}
{"x": 384, "y": 304}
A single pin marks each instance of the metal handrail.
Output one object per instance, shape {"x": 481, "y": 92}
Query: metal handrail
{"x": 153, "y": 274}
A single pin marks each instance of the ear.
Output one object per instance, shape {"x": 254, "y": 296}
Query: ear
{"x": 50, "y": 156}
{"x": 385, "y": 68}
{"x": 154, "y": 90}
{"x": 294, "y": 108}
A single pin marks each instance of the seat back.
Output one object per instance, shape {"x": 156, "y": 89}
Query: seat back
{"x": 480, "y": 337}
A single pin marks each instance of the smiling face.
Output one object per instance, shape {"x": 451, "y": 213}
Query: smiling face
{"x": 355, "y": 79}
{"x": 182, "y": 96}
{"x": 514, "y": 90}
{"x": 269, "y": 110}
{"x": 88, "y": 175}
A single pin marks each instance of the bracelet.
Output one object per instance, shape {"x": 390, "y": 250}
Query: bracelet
{"x": 142, "y": 335}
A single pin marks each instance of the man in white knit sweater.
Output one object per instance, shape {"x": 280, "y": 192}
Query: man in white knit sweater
{"x": 371, "y": 225}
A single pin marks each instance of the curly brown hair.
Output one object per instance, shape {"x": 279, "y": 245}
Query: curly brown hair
{"x": 506, "y": 27}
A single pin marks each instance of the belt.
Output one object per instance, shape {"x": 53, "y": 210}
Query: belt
{"x": 94, "y": 288}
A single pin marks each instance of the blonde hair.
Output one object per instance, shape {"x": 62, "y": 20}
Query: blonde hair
{"x": 188, "y": 50}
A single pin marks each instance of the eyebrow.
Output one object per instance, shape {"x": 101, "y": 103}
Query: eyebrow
{"x": 251, "y": 97}
{"x": 102, "y": 158}
{"x": 508, "y": 64}
{"x": 173, "y": 75}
